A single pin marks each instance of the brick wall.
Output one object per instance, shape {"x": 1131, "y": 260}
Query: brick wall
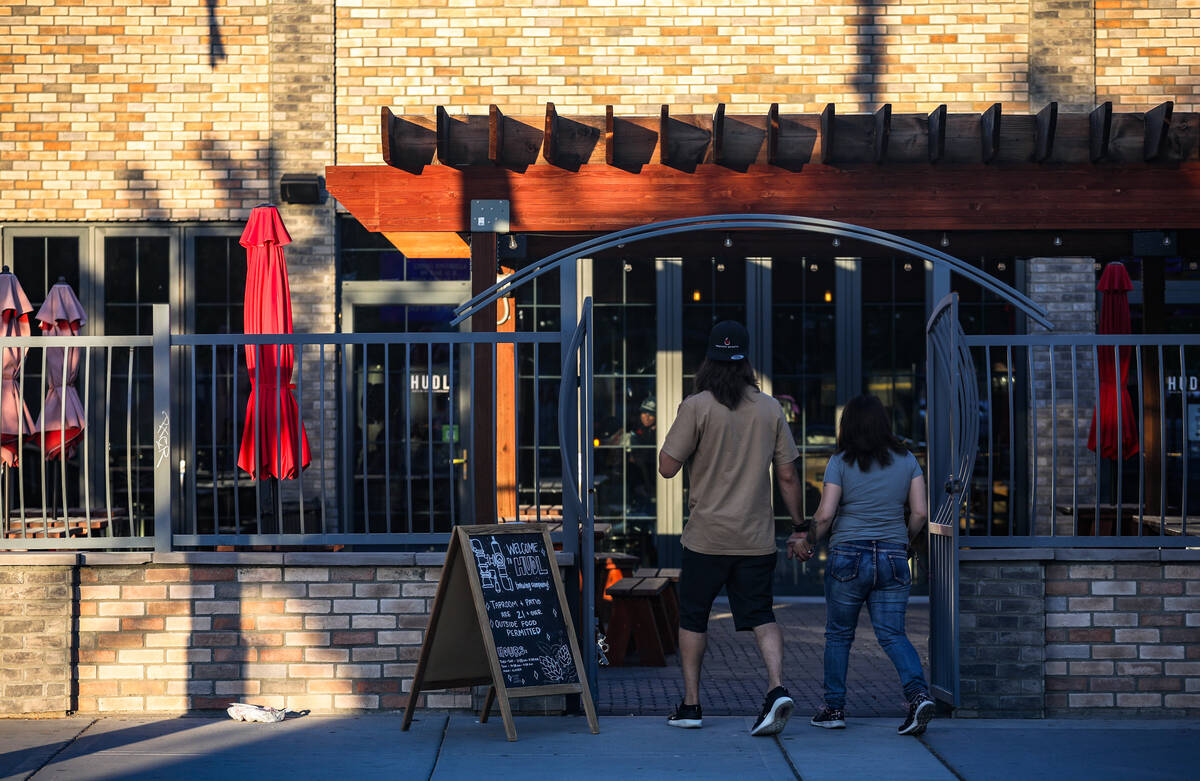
{"x": 1146, "y": 52}
{"x": 1121, "y": 633}
{"x": 35, "y": 635}
{"x": 1001, "y": 631}
{"x": 198, "y": 631}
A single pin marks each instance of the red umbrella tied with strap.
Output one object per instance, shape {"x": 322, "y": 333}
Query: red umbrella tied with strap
{"x": 1114, "y": 285}
{"x": 274, "y": 438}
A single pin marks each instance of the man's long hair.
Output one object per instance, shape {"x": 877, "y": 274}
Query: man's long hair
{"x": 726, "y": 380}
{"x": 865, "y": 436}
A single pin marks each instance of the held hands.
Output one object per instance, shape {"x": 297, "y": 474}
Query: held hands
{"x": 798, "y": 547}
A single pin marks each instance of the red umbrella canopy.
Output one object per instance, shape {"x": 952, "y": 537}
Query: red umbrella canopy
{"x": 1114, "y": 286}
{"x": 273, "y": 427}
{"x": 15, "y": 420}
{"x": 62, "y": 418}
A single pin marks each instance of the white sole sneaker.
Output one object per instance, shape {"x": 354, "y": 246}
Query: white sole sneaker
{"x": 685, "y": 723}
{"x": 837, "y": 724}
{"x": 776, "y": 719}
{"x": 921, "y": 718}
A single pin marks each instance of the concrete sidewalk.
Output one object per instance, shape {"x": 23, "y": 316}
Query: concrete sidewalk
{"x": 457, "y": 746}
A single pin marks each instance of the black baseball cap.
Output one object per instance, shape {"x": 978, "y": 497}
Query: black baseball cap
{"x": 728, "y": 341}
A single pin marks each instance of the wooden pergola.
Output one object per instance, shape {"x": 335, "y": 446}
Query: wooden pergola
{"x": 936, "y": 171}
{"x": 1095, "y": 171}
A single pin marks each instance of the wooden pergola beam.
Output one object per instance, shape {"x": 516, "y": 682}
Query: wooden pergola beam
{"x": 950, "y": 197}
{"x": 828, "y": 126}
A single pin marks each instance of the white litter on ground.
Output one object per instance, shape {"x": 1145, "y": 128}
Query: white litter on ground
{"x": 243, "y": 711}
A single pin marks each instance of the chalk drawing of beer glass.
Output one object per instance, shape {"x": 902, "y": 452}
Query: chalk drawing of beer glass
{"x": 501, "y": 567}
{"x": 483, "y": 561}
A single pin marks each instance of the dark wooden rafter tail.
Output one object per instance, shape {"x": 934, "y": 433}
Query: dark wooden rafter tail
{"x": 1100, "y": 131}
{"x": 1158, "y": 125}
{"x": 550, "y": 135}
{"x": 610, "y": 136}
{"x": 883, "y": 129}
{"x": 937, "y": 133}
{"x": 828, "y": 124}
{"x": 1047, "y": 123}
{"x": 718, "y": 134}
{"x": 773, "y": 134}
{"x": 443, "y": 136}
{"x": 989, "y": 132}
{"x": 495, "y": 134}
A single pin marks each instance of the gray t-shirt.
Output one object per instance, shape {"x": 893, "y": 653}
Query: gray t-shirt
{"x": 872, "y": 505}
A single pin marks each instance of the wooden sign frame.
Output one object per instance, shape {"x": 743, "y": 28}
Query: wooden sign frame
{"x": 459, "y": 648}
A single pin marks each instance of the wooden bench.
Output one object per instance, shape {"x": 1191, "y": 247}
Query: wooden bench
{"x": 670, "y": 595}
{"x": 639, "y": 616}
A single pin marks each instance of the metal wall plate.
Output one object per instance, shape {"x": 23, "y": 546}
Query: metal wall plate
{"x": 489, "y": 216}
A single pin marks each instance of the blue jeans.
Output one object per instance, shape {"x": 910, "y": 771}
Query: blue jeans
{"x": 876, "y": 573}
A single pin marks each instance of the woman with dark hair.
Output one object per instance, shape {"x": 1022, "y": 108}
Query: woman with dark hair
{"x": 867, "y": 483}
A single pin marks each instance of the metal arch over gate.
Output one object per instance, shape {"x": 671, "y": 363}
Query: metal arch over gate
{"x": 953, "y": 425}
{"x": 751, "y": 222}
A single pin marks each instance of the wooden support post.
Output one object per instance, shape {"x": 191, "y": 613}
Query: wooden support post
{"x": 484, "y": 257}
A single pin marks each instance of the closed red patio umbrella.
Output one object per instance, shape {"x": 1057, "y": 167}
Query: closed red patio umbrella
{"x": 271, "y": 411}
{"x": 1114, "y": 319}
{"x": 62, "y": 418}
{"x": 15, "y": 420}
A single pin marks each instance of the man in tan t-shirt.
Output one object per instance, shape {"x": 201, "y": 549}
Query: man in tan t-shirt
{"x": 730, "y": 434}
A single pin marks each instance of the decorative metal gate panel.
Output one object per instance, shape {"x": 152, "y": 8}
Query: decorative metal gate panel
{"x": 953, "y": 435}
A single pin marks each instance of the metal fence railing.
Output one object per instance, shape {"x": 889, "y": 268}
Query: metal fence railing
{"x": 1085, "y": 440}
{"x": 394, "y": 426}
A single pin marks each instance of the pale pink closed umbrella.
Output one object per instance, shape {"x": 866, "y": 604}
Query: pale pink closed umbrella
{"x": 15, "y": 421}
{"x": 62, "y": 417}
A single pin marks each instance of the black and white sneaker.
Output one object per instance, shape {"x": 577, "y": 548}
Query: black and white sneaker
{"x": 920, "y": 711}
{"x": 829, "y": 718}
{"x": 777, "y": 707}
{"x": 686, "y": 717}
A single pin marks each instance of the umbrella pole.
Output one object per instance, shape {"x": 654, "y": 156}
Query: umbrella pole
{"x": 278, "y": 495}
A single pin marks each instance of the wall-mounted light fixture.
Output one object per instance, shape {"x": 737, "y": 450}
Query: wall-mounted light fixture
{"x": 300, "y": 188}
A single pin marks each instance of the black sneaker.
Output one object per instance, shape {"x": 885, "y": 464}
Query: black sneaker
{"x": 829, "y": 718}
{"x": 920, "y": 711}
{"x": 686, "y": 717}
{"x": 775, "y": 711}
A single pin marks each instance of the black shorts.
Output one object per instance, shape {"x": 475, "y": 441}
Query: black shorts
{"x": 748, "y": 580}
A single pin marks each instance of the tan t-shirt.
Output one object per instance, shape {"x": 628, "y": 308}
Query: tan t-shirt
{"x": 729, "y": 454}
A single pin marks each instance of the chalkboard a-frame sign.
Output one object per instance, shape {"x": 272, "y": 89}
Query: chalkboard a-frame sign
{"x": 500, "y": 617}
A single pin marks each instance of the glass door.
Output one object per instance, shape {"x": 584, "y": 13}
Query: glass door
{"x": 404, "y": 454}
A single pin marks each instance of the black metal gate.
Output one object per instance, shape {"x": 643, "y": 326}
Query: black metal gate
{"x": 953, "y": 436}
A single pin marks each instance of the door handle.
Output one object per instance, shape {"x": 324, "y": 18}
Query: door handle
{"x": 462, "y": 461}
